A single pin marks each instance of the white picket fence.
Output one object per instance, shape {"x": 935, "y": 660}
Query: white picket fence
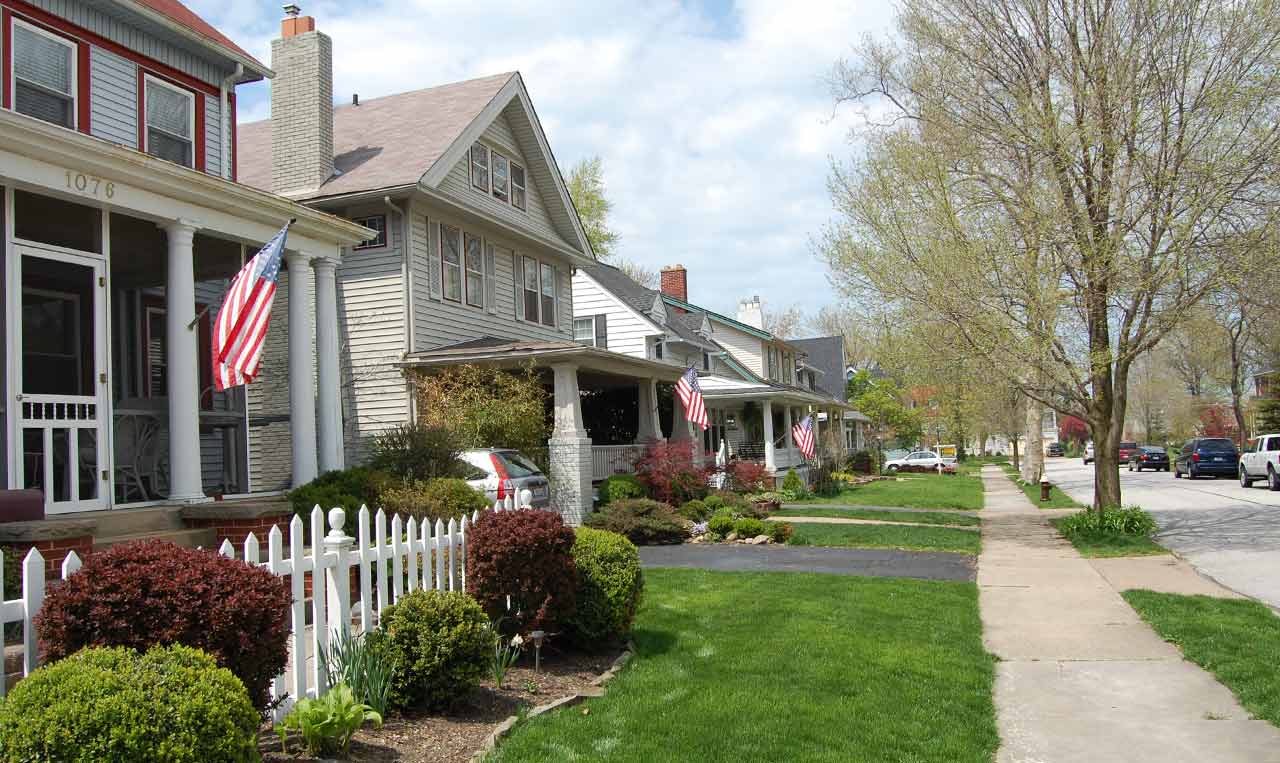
{"x": 391, "y": 558}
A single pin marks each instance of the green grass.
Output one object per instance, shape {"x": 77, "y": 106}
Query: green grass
{"x": 737, "y": 667}
{"x": 1237, "y": 640}
{"x": 1057, "y": 498}
{"x": 886, "y": 536}
{"x": 1101, "y": 545}
{"x": 920, "y": 517}
{"x": 923, "y": 491}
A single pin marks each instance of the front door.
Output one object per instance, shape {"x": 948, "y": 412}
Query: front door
{"x": 57, "y": 343}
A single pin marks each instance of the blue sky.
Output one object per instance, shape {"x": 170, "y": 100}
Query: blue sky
{"x": 714, "y": 120}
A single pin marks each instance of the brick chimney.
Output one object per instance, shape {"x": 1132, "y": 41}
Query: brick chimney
{"x": 675, "y": 282}
{"x": 750, "y": 312}
{"x": 301, "y": 106}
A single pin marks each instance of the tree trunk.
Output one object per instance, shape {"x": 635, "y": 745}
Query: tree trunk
{"x": 1033, "y": 451}
{"x": 1013, "y": 441}
{"x": 1106, "y": 464}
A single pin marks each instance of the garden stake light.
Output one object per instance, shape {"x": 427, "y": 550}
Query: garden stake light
{"x": 537, "y": 637}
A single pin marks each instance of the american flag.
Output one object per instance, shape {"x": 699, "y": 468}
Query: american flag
{"x": 802, "y": 433}
{"x": 241, "y": 327}
{"x": 690, "y": 393}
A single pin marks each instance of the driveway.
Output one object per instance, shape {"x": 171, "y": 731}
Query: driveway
{"x": 838, "y": 561}
{"x": 1230, "y": 533}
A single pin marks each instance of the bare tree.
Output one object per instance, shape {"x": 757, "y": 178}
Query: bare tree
{"x": 785, "y": 323}
{"x": 1061, "y": 180}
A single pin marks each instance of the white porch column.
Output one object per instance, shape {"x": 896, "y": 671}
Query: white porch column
{"x": 329, "y": 404}
{"x": 648, "y": 428}
{"x": 569, "y": 449}
{"x": 681, "y": 429}
{"x": 185, "y": 483}
{"x": 766, "y": 412}
{"x": 786, "y": 424}
{"x": 302, "y": 357}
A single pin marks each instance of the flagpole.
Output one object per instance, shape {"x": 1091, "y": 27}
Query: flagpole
{"x": 240, "y": 319}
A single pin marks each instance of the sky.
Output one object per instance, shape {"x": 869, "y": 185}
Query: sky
{"x": 714, "y": 120}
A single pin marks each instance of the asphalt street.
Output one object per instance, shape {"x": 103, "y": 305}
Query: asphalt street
{"x": 1230, "y": 533}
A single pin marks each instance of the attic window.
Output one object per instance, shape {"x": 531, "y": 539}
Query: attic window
{"x": 501, "y": 177}
{"x": 517, "y": 186}
{"x": 377, "y": 223}
{"x": 480, "y": 167}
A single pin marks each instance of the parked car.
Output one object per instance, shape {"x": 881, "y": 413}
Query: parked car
{"x": 1207, "y": 456}
{"x": 502, "y": 472}
{"x": 1126, "y": 450}
{"x": 1149, "y": 457}
{"x": 916, "y": 461}
{"x": 1055, "y": 449}
{"x": 1088, "y": 453}
{"x": 1261, "y": 460}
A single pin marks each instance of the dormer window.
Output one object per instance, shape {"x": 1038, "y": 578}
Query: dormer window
{"x": 517, "y": 186}
{"x": 44, "y": 75}
{"x": 706, "y": 361}
{"x": 171, "y": 119}
{"x": 501, "y": 177}
{"x": 480, "y": 167}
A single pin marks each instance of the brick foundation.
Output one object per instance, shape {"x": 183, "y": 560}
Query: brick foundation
{"x": 54, "y": 552}
{"x": 236, "y": 530}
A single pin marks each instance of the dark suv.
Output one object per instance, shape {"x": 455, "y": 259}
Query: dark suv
{"x": 1207, "y": 456}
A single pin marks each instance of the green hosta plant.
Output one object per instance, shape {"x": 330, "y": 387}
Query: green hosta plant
{"x": 328, "y": 723}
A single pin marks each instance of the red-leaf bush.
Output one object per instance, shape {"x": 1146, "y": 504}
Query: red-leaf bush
{"x": 671, "y": 474}
{"x": 746, "y": 476}
{"x": 527, "y": 556}
{"x": 149, "y": 593}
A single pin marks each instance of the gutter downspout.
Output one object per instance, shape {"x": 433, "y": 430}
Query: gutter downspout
{"x": 406, "y": 275}
{"x": 224, "y": 114}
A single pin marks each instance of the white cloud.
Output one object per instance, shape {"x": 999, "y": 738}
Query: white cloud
{"x": 714, "y": 122}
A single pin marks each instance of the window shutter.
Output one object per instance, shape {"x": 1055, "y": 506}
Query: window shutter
{"x": 602, "y": 331}
{"x": 559, "y": 320}
{"x": 517, "y": 278}
{"x": 490, "y": 279}
{"x": 433, "y": 259}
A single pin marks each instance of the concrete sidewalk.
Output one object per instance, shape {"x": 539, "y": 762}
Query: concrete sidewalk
{"x": 1081, "y": 677}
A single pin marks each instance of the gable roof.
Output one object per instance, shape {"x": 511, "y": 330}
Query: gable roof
{"x": 185, "y": 21}
{"x": 826, "y": 354}
{"x": 644, "y": 300}
{"x": 413, "y": 138}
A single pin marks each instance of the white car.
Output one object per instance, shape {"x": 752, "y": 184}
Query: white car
{"x": 502, "y": 472}
{"x": 1088, "y": 453}
{"x": 1261, "y": 461}
{"x": 919, "y": 459}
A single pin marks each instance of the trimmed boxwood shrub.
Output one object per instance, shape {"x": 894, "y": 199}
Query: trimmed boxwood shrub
{"x": 749, "y": 527}
{"x": 609, "y": 586}
{"x": 620, "y": 487}
{"x": 645, "y": 522}
{"x": 793, "y": 485}
{"x": 152, "y": 592}
{"x": 439, "y": 644}
{"x": 348, "y": 488}
{"x": 695, "y": 510}
{"x": 721, "y": 523}
{"x": 780, "y": 532}
{"x": 172, "y": 704}
{"x": 525, "y": 555}
{"x": 435, "y": 499}
{"x": 713, "y": 503}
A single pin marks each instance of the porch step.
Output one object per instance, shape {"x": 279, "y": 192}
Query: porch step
{"x": 203, "y": 537}
{"x": 152, "y": 519}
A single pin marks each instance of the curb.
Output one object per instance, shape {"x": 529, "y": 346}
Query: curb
{"x": 596, "y": 690}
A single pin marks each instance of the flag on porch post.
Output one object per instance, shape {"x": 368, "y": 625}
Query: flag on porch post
{"x": 695, "y": 409}
{"x": 802, "y": 433}
{"x": 241, "y": 326}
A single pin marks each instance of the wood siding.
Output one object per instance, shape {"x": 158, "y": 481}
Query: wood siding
{"x": 113, "y": 97}
{"x": 744, "y": 347}
{"x": 627, "y": 329}
{"x": 212, "y": 134}
{"x": 270, "y": 444}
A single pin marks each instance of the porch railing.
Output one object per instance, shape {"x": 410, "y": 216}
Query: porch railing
{"x": 607, "y": 460}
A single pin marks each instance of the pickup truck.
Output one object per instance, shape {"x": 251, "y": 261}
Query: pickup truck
{"x": 1261, "y": 460}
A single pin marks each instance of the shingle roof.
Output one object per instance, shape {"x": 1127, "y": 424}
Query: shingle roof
{"x": 183, "y": 15}
{"x": 384, "y": 142}
{"x": 826, "y": 353}
{"x": 641, "y": 299}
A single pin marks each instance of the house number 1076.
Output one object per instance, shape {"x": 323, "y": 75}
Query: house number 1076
{"x": 91, "y": 185}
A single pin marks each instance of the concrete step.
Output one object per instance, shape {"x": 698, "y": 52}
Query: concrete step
{"x": 203, "y": 537}
{"x": 136, "y": 521}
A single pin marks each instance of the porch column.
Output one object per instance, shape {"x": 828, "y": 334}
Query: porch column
{"x": 766, "y": 412}
{"x": 329, "y": 407}
{"x": 569, "y": 449}
{"x": 786, "y": 424}
{"x": 302, "y": 356}
{"x": 185, "y": 482}
{"x": 648, "y": 428}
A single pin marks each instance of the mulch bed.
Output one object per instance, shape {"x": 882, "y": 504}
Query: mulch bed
{"x": 455, "y": 735}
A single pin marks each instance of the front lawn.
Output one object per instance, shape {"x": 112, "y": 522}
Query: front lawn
{"x": 1237, "y": 640}
{"x": 1057, "y": 498}
{"x": 734, "y": 667}
{"x": 1104, "y": 544}
{"x": 887, "y": 536}
{"x": 924, "y": 491}
{"x": 919, "y": 517}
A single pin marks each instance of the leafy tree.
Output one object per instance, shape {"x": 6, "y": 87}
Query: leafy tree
{"x": 1268, "y": 418}
{"x": 483, "y": 407}
{"x": 881, "y": 401}
{"x": 586, "y": 188}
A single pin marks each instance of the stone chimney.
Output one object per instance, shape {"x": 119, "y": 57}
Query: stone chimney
{"x": 749, "y": 312}
{"x": 301, "y": 106}
{"x": 675, "y": 282}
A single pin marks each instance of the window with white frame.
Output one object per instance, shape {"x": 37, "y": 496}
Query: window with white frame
{"x": 548, "y": 295}
{"x": 788, "y": 366}
{"x": 472, "y": 250}
{"x": 377, "y": 223}
{"x": 44, "y": 75}
{"x": 531, "y": 289}
{"x": 171, "y": 120}
{"x": 480, "y": 166}
{"x": 592, "y": 331}
{"x": 451, "y": 262}
{"x": 657, "y": 349}
{"x": 517, "y": 186}
{"x": 501, "y": 177}
{"x": 706, "y": 361}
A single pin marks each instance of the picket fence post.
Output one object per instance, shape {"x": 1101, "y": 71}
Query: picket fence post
{"x": 366, "y": 556}
{"x": 338, "y": 576}
{"x": 32, "y": 599}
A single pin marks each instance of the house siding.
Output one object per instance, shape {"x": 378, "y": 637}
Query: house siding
{"x": 113, "y": 97}
{"x": 745, "y": 348}
{"x": 270, "y": 443}
{"x": 212, "y": 135}
{"x": 627, "y": 330}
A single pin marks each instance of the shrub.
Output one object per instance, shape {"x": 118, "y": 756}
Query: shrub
{"x": 721, "y": 523}
{"x": 361, "y": 663}
{"x": 644, "y": 521}
{"x": 170, "y": 705}
{"x": 668, "y": 470}
{"x": 1131, "y": 521}
{"x": 417, "y": 452}
{"x": 484, "y": 407}
{"x": 713, "y": 503}
{"x": 525, "y": 555}
{"x": 153, "y": 592}
{"x": 609, "y": 586}
{"x": 348, "y": 488}
{"x": 437, "y": 499}
{"x": 328, "y": 723}
{"x": 438, "y": 643}
{"x": 779, "y": 532}
{"x": 695, "y": 510}
{"x": 793, "y": 484}
{"x": 619, "y": 487}
{"x": 746, "y": 476}
{"x": 749, "y": 527}
{"x": 862, "y": 462}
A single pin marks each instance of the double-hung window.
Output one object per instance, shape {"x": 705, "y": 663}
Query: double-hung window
{"x": 517, "y": 186}
{"x": 451, "y": 262}
{"x": 548, "y": 295}
{"x": 171, "y": 117}
{"x": 480, "y": 166}
{"x": 501, "y": 177}
{"x": 44, "y": 75}
{"x": 472, "y": 250}
{"x": 592, "y": 331}
{"x": 377, "y": 223}
{"x": 530, "y": 289}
